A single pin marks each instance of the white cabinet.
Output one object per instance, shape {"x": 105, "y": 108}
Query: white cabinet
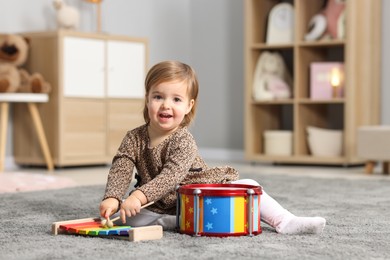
{"x": 126, "y": 69}
{"x": 97, "y": 95}
{"x": 84, "y": 67}
{"x": 103, "y": 68}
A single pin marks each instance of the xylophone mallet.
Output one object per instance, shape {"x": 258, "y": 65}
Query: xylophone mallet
{"x": 110, "y": 222}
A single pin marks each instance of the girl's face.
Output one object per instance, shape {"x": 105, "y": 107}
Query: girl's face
{"x": 168, "y": 103}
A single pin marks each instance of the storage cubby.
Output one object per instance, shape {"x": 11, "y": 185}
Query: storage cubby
{"x": 327, "y": 116}
{"x": 275, "y": 116}
{"x": 359, "y": 51}
{"x": 309, "y": 54}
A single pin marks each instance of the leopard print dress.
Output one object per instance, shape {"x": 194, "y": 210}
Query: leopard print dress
{"x": 160, "y": 169}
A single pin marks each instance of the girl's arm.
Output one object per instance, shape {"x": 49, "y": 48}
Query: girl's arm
{"x": 120, "y": 175}
{"x": 181, "y": 156}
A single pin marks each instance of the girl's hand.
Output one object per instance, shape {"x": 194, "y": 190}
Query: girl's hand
{"x": 130, "y": 207}
{"x": 108, "y": 207}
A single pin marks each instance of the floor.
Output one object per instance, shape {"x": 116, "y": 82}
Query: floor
{"x": 95, "y": 175}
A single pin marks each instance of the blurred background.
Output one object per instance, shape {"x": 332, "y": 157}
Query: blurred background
{"x": 208, "y": 35}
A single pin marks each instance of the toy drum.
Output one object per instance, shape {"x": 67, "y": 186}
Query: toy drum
{"x": 218, "y": 209}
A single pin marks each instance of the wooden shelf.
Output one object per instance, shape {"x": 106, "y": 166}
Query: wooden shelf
{"x": 274, "y": 102}
{"x": 319, "y": 44}
{"x": 264, "y": 46}
{"x": 323, "y": 43}
{"x": 359, "y": 50}
{"x": 321, "y": 101}
{"x": 305, "y": 160}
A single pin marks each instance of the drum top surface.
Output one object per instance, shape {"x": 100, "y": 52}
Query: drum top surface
{"x": 220, "y": 189}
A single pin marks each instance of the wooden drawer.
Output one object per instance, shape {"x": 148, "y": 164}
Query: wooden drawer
{"x": 84, "y": 115}
{"x": 123, "y": 115}
{"x": 84, "y": 128}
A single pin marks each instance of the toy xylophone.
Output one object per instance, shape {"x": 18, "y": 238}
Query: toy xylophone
{"x": 94, "y": 227}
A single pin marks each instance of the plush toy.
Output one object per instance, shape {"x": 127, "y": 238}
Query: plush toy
{"x": 271, "y": 78}
{"x": 329, "y": 23}
{"x": 68, "y": 17}
{"x": 13, "y": 54}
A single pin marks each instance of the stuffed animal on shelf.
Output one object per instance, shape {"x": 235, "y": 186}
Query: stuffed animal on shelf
{"x": 271, "y": 78}
{"x": 68, "y": 17}
{"x": 329, "y": 23}
{"x": 13, "y": 54}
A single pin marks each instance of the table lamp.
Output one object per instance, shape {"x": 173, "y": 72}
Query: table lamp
{"x": 335, "y": 82}
{"x": 98, "y": 13}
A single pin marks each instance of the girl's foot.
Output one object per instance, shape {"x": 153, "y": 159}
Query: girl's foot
{"x": 302, "y": 225}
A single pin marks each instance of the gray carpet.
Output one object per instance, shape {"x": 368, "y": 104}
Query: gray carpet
{"x": 357, "y": 211}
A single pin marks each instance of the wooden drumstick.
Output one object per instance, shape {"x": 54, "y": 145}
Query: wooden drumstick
{"x": 147, "y": 204}
{"x": 110, "y": 222}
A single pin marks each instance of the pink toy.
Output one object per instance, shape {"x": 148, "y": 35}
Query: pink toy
{"x": 330, "y": 22}
{"x": 333, "y": 10}
{"x": 320, "y": 80}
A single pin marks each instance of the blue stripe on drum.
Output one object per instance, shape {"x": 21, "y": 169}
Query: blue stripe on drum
{"x": 217, "y": 214}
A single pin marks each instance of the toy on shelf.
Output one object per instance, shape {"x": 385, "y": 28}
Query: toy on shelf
{"x": 326, "y": 80}
{"x": 68, "y": 17}
{"x": 13, "y": 78}
{"x": 271, "y": 78}
{"x": 329, "y": 23}
{"x": 280, "y": 28}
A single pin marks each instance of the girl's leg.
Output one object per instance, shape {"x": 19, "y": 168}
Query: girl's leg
{"x": 167, "y": 221}
{"x": 282, "y": 220}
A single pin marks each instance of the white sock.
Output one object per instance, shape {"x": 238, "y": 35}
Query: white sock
{"x": 302, "y": 225}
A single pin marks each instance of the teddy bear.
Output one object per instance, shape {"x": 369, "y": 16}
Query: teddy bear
{"x": 271, "y": 78}
{"x": 13, "y": 78}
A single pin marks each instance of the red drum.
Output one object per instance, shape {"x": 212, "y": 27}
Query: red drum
{"x": 218, "y": 209}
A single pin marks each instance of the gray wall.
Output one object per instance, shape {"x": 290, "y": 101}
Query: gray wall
{"x": 217, "y": 55}
{"x": 206, "y": 34}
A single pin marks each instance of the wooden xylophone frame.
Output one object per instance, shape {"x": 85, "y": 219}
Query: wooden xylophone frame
{"x": 134, "y": 233}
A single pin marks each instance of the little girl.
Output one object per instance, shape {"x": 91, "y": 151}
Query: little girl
{"x": 165, "y": 154}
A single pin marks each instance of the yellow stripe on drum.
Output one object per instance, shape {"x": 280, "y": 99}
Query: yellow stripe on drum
{"x": 182, "y": 212}
{"x": 239, "y": 214}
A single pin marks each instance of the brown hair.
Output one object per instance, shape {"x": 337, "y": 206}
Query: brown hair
{"x": 168, "y": 71}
